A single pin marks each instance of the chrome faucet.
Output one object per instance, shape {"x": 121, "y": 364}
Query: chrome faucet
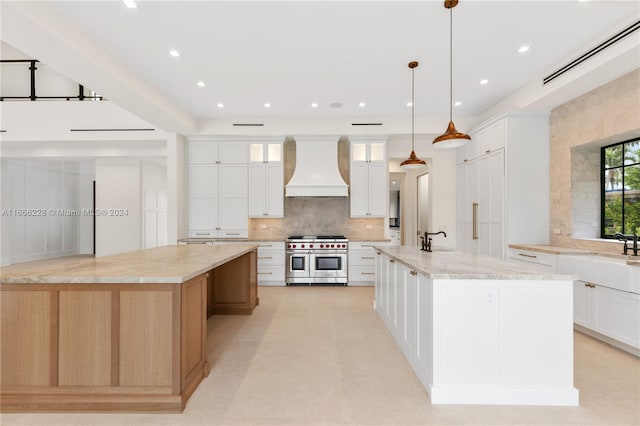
{"x": 426, "y": 241}
{"x": 625, "y": 238}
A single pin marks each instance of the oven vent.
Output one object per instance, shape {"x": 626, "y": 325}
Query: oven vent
{"x": 366, "y": 124}
{"x": 248, "y": 124}
{"x": 599, "y": 48}
{"x": 112, "y": 130}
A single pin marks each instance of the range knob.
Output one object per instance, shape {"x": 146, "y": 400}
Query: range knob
{"x": 321, "y": 245}
{"x": 294, "y": 246}
{"x": 288, "y": 245}
{"x": 310, "y": 245}
{"x": 344, "y": 246}
{"x": 331, "y": 245}
{"x": 301, "y": 245}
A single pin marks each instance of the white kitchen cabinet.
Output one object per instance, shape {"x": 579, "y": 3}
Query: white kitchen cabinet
{"x": 266, "y": 180}
{"x": 602, "y": 302}
{"x": 609, "y": 312}
{"x": 218, "y": 189}
{"x": 368, "y": 176}
{"x": 546, "y": 260}
{"x": 503, "y": 185}
{"x": 271, "y": 263}
{"x": 362, "y": 264}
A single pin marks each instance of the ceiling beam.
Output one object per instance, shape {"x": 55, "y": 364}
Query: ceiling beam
{"x": 42, "y": 33}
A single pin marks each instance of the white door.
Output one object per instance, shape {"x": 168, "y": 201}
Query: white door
{"x": 423, "y": 206}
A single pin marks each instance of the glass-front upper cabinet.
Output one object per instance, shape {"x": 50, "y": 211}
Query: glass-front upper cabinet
{"x": 367, "y": 152}
{"x": 265, "y": 152}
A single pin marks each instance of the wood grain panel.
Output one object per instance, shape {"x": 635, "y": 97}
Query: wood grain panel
{"x": 26, "y": 338}
{"x": 84, "y": 356}
{"x": 193, "y": 324}
{"x": 146, "y": 338}
{"x": 231, "y": 283}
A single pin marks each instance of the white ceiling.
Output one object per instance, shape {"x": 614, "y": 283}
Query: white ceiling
{"x": 298, "y": 52}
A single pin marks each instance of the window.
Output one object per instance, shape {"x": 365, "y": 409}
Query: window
{"x": 620, "y": 188}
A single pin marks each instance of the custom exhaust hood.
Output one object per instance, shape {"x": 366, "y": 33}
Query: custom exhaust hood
{"x": 316, "y": 173}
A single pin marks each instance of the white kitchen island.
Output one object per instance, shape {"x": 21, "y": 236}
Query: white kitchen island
{"x": 477, "y": 330}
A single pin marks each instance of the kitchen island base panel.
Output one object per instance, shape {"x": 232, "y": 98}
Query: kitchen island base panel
{"x": 502, "y": 396}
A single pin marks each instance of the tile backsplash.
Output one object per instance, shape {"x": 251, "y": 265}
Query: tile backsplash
{"x": 314, "y": 215}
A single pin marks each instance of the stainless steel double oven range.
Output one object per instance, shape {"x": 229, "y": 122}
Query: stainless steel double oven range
{"x": 316, "y": 260}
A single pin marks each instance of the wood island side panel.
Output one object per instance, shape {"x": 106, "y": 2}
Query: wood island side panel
{"x": 84, "y": 350}
{"x": 26, "y": 338}
{"x": 145, "y": 338}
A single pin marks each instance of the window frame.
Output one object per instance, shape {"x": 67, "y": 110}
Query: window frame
{"x": 603, "y": 183}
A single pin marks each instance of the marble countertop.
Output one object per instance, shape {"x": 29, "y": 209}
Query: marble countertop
{"x": 542, "y": 248}
{"x": 448, "y": 264}
{"x": 168, "y": 264}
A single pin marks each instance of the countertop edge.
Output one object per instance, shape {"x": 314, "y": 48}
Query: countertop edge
{"x": 169, "y": 279}
{"x": 553, "y": 276}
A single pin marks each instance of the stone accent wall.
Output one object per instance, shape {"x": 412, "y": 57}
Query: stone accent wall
{"x": 608, "y": 114}
{"x": 313, "y": 215}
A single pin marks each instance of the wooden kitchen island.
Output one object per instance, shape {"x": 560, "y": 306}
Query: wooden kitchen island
{"x": 122, "y": 333}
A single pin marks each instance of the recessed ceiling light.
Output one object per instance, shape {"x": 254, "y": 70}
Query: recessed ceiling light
{"x": 314, "y": 105}
{"x": 523, "y": 49}
{"x": 174, "y": 53}
{"x": 457, "y": 103}
{"x": 220, "y": 105}
{"x": 361, "y": 104}
{"x": 201, "y": 84}
{"x": 130, "y": 4}
{"x": 484, "y": 81}
{"x": 267, "y": 105}
{"x": 409, "y": 104}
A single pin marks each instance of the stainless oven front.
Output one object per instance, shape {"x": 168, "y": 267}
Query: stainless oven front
{"x": 328, "y": 268}
{"x": 298, "y": 267}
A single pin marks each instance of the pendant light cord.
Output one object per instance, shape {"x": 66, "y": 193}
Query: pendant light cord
{"x": 413, "y": 105}
{"x": 451, "y": 64}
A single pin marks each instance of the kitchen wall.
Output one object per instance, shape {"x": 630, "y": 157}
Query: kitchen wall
{"x": 43, "y": 209}
{"x": 317, "y": 215}
{"x": 606, "y": 115}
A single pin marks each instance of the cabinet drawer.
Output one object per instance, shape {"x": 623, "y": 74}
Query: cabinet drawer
{"x": 542, "y": 259}
{"x": 362, "y": 273}
{"x": 203, "y": 234}
{"x": 271, "y": 273}
{"x": 362, "y": 257}
{"x": 270, "y": 257}
{"x": 234, "y": 233}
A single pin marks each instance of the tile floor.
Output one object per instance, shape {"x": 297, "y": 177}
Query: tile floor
{"x": 322, "y": 356}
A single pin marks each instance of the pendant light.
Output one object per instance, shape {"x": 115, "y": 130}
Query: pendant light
{"x": 413, "y": 162}
{"x": 451, "y": 138}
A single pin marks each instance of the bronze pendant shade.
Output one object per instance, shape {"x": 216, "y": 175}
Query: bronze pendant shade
{"x": 413, "y": 162}
{"x": 451, "y": 138}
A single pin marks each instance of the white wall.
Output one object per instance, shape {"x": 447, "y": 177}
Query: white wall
{"x": 442, "y": 187}
{"x": 42, "y": 209}
{"x": 118, "y": 195}
{"x": 154, "y": 195}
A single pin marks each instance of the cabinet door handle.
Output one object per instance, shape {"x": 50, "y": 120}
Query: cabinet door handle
{"x": 392, "y": 261}
{"x": 527, "y": 255}
{"x": 589, "y": 285}
{"x": 367, "y": 257}
{"x": 367, "y": 273}
{"x": 266, "y": 245}
{"x": 475, "y": 221}
{"x": 265, "y": 257}
{"x": 265, "y": 273}
{"x": 413, "y": 272}
{"x": 232, "y": 233}
{"x": 202, "y": 233}
{"x": 487, "y": 151}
